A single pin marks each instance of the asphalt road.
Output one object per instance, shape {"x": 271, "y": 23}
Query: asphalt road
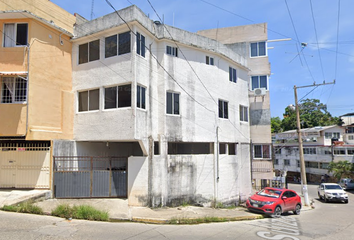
{"x": 326, "y": 221}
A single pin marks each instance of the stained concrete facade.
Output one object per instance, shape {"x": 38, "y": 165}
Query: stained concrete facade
{"x": 191, "y": 156}
{"x": 239, "y": 39}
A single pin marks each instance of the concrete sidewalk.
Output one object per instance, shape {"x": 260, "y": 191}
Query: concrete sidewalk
{"x": 119, "y": 210}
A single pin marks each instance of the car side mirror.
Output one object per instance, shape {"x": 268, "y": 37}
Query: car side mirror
{"x": 283, "y": 197}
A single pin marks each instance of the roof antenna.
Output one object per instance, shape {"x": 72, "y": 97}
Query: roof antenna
{"x": 92, "y": 14}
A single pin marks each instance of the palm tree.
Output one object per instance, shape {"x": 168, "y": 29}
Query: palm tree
{"x": 340, "y": 169}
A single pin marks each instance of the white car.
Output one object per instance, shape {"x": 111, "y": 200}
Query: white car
{"x": 332, "y": 192}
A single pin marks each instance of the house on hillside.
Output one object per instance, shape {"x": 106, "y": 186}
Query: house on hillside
{"x": 36, "y": 102}
{"x": 321, "y": 146}
{"x": 251, "y": 41}
{"x": 161, "y": 108}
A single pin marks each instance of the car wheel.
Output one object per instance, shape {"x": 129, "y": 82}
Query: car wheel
{"x": 325, "y": 199}
{"x": 319, "y": 196}
{"x": 277, "y": 212}
{"x": 297, "y": 209}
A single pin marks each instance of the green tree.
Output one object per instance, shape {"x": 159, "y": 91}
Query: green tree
{"x": 340, "y": 169}
{"x": 275, "y": 124}
{"x": 313, "y": 113}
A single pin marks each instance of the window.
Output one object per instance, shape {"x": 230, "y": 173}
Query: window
{"x": 330, "y": 135}
{"x": 243, "y": 113}
{"x": 140, "y": 97}
{"x": 286, "y": 162}
{"x": 298, "y": 163}
{"x": 222, "y": 148}
{"x": 140, "y": 44}
{"x": 190, "y": 148}
{"x": 232, "y": 75}
{"x": 172, "y": 106}
{"x": 14, "y": 90}
{"x": 311, "y": 164}
{"x": 276, "y": 161}
{"x": 232, "y": 148}
{"x": 89, "y": 100}
{"x": 209, "y": 60}
{"x": 277, "y": 150}
{"x": 223, "y": 109}
{"x": 261, "y": 151}
{"x": 258, "y": 49}
{"x": 324, "y": 165}
{"x": 340, "y": 151}
{"x": 350, "y": 137}
{"x": 309, "y": 150}
{"x": 173, "y": 51}
{"x": 156, "y": 148}
{"x": 89, "y": 52}
{"x": 350, "y": 129}
{"x": 117, "y": 97}
{"x": 259, "y": 82}
{"x": 117, "y": 44}
{"x": 350, "y": 151}
{"x": 15, "y": 34}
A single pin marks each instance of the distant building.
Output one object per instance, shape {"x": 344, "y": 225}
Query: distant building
{"x": 321, "y": 146}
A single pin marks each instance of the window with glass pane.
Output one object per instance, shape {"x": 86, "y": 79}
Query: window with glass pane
{"x": 223, "y": 109}
{"x": 140, "y": 97}
{"x": 258, "y": 151}
{"x": 94, "y": 50}
{"x": 111, "y": 46}
{"x": 15, "y": 34}
{"x": 124, "y": 96}
{"x": 243, "y": 113}
{"x": 172, "y": 103}
{"x": 89, "y": 100}
{"x": 258, "y": 49}
{"x": 232, "y": 75}
{"x": 140, "y": 44}
{"x": 259, "y": 82}
{"x": 124, "y": 43}
{"x": 110, "y": 97}
{"x": 83, "y": 53}
{"x": 14, "y": 90}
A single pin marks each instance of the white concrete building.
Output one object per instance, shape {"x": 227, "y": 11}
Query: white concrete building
{"x": 166, "y": 100}
{"x": 252, "y": 41}
{"x": 321, "y": 146}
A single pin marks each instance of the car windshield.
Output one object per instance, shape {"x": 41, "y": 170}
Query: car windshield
{"x": 332, "y": 187}
{"x": 269, "y": 193}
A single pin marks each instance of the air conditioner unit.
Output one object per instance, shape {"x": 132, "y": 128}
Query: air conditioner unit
{"x": 259, "y": 91}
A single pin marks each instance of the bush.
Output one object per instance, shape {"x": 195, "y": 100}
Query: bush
{"x": 24, "y": 207}
{"x": 80, "y": 212}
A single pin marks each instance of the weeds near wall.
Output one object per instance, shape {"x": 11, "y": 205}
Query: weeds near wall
{"x": 80, "y": 212}
{"x": 24, "y": 207}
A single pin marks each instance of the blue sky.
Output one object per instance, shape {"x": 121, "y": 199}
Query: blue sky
{"x": 315, "y": 24}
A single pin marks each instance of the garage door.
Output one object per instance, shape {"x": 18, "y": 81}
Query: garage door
{"x": 25, "y": 165}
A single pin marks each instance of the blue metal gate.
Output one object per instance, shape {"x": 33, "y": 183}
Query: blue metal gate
{"x": 90, "y": 177}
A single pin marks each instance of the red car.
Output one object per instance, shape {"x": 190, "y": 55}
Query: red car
{"x": 274, "y": 201}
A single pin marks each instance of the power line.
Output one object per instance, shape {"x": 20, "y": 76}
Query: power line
{"x": 318, "y": 48}
{"x": 182, "y": 53}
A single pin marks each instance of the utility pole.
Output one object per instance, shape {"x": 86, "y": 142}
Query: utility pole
{"x": 301, "y": 150}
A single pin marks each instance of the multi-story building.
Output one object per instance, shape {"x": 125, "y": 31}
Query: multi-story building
{"x": 171, "y": 107}
{"x": 36, "y": 104}
{"x": 251, "y": 41}
{"x": 321, "y": 146}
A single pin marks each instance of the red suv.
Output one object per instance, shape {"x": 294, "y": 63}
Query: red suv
{"x": 274, "y": 201}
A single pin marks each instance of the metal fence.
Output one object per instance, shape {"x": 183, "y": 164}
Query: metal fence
{"x": 88, "y": 177}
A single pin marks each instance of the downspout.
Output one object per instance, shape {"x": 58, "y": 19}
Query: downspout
{"x": 27, "y": 105}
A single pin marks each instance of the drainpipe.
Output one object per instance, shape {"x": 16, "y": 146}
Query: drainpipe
{"x": 27, "y": 105}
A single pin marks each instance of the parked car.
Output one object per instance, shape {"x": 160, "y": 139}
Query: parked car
{"x": 274, "y": 202}
{"x": 346, "y": 183}
{"x": 332, "y": 192}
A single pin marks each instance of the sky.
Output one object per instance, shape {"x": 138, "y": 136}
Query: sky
{"x": 321, "y": 48}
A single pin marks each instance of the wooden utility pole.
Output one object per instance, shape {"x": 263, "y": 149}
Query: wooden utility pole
{"x": 301, "y": 150}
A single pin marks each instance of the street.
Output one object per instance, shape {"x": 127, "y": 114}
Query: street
{"x": 326, "y": 221}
